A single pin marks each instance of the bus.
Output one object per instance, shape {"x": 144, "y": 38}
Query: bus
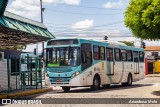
{"x": 79, "y": 63}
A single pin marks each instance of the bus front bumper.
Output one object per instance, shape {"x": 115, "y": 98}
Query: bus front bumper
{"x": 73, "y": 82}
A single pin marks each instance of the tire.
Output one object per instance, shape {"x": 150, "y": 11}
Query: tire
{"x": 96, "y": 84}
{"x": 129, "y": 81}
{"x": 66, "y": 89}
{"x": 106, "y": 86}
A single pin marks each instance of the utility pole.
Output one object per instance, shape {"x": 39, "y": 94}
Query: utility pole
{"x": 42, "y": 10}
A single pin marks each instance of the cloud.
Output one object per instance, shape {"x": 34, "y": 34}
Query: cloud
{"x": 82, "y": 25}
{"x": 31, "y": 8}
{"x": 28, "y": 8}
{"x": 69, "y": 2}
{"x": 113, "y": 4}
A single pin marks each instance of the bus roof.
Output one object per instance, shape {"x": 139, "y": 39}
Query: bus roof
{"x": 104, "y": 43}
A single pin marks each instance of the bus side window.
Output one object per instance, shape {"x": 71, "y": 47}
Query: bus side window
{"x": 135, "y": 55}
{"x": 102, "y": 52}
{"x": 96, "y": 52}
{"x": 141, "y": 56}
{"x": 124, "y": 55}
{"x": 117, "y": 54}
{"x": 109, "y": 54}
{"x": 129, "y": 56}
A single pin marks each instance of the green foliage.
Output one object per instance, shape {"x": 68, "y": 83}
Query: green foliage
{"x": 17, "y": 47}
{"x": 143, "y": 18}
{"x": 127, "y": 43}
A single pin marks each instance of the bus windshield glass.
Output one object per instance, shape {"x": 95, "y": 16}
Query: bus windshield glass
{"x": 63, "y": 56}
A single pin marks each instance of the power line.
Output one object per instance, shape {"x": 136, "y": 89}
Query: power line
{"x": 93, "y": 36}
{"x": 85, "y": 6}
{"x": 67, "y": 29}
{"x": 94, "y": 26}
{"x": 66, "y": 12}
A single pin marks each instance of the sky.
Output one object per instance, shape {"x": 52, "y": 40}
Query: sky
{"x": 92, "y": 19}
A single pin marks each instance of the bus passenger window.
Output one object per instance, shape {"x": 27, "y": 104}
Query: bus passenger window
{"x": 109, "y": 52}
{"x": 141, "y": 56}
{"x": 124, "y": 55}
{"x": 135, "y": 55}
{"x": 129, "y": 56}
{"x": 117, "y": 54}
{"x": 96, "y": 52}
{"x": 102, "y": 53}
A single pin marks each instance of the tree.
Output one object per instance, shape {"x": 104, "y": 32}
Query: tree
{"x": 143, "y": 18}
{"x": 16, "y": 47}
{"x": 127, "y": 43}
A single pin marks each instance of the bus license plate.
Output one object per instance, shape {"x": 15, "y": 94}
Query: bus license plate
{"x": 59, "y": 80}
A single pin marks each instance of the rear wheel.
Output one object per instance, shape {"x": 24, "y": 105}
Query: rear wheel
{"x": 66, "y": 89}
{"x": 129, "y": 81}
{"x": 96, "y": 83}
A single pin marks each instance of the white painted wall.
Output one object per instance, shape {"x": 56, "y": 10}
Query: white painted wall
{"x": 4, "y": 77}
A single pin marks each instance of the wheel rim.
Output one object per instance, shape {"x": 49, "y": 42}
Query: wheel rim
{"x": 96, "y": 83}
{"x": 130, "y": 80}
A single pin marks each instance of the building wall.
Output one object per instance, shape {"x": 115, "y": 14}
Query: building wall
{"x": 151, "y": 60}
{"x": 149, "y": 53}
{"x": 4, "y": 77}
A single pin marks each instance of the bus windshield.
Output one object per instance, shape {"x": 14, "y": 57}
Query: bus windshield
{"x": 63, "y": 56}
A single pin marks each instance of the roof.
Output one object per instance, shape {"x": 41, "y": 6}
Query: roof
{"x": 17, "y": 30}
{"x": 23, "y": 19}
{"x": 152, "y": 48}
{"x": 3, "y": 4}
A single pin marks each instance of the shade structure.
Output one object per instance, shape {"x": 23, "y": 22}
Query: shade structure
{"x": 3, "y": 4}
{"x": 17, "y": 30}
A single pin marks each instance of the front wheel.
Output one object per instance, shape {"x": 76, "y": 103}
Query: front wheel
{"x": 96, "y": 83}
{"x": 66, "y": 89}
{"x": 129, "y": 80}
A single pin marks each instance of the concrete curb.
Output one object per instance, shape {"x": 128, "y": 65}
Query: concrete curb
{"x": 25, "y": 93}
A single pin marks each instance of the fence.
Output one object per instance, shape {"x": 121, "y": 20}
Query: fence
{"x": 20, "y": 74}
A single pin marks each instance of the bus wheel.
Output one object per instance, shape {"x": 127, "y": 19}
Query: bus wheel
{"x": 106, "y": 85}
{"x": 66, "y": 89}
{"x": 96, "y": 83}
{"x": 129, "y": 81}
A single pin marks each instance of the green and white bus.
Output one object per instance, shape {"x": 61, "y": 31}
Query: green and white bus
{"x": 80, "y": 63}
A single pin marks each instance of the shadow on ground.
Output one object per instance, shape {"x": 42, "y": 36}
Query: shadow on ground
{"x": 88, "y": 90}
{"x": 157, "y": 93}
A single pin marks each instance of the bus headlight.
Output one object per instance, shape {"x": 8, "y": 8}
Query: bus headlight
{"x": 75, "y": 74}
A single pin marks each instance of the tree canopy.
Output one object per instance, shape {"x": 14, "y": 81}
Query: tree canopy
{"x": 127, "y": 43}
{"x": 143, "y": 18}
{"x": 17, "y": 47}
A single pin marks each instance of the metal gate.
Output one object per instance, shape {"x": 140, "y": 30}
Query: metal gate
{"x": 20, "y": 74}
{"x": 31, "y": 72}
